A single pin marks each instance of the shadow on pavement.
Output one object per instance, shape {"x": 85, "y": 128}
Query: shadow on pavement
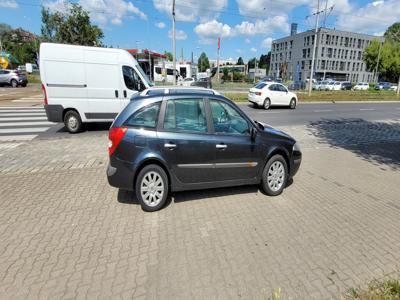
{"x": 375, "y": 142}
{"x": 91, "y": 127}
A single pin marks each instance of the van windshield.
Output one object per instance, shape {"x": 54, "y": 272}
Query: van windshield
{"x": 145, "y": 77}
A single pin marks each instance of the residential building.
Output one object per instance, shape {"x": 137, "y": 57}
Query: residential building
{"x": 339, "y": 56}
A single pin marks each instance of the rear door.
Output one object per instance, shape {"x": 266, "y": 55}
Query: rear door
{"x": 236, "y": 153}
{"x": 186, "y": 141}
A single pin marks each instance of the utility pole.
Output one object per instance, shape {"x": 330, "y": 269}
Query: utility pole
{"x": 173, "y": 41}
{"x": 314, "y": 49}
{"x": 377, "y": 62}
{"x": 219, "y": 46}
{"x": 255, "y": 69}
{"x": 325, "y": 14}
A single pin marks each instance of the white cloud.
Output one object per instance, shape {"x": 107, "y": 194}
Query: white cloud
{"x": 372, "y": 18}
{"x": 208, "y": 32}
{"x": 191, "y": 11}
{"x": 240, "y": 51}
{"x": 8, "y": 4}
{"x": 266, "y": 43}
{"x": 102, "y": 11}
{"x": 160, "y": 25}
{"x": 179, "y": 34}
{"x": 247, "y": 41}
{"x": 264, "y": 8}
{"x": 254, "y": 50}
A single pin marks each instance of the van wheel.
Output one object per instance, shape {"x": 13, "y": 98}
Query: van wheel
{"x": 152, "y": 188}
{"x": 267, "y": 103}
{"x": 274, "y": 176}
{"x": 14, "y": 83}
{"x": 72, "y": 121}
{"x": 293, "y": 103}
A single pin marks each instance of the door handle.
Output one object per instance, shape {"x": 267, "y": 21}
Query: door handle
{"x": 170, "y": 146}
{"x": 116, "y": 94}
{"x": 125, "y": 94}
{"x": 221, "y": 146}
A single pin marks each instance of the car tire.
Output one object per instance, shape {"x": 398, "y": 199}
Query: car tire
{"x": 267, "y": 103}
{"x": 72, "y": 121}
{"x": 293, "y": 103}
{"x": 14, "y": 83}
{"x": 154, "y": 179}
{"x": 274, "y": 175}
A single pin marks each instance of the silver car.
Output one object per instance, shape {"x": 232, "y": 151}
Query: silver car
{"x": 13, "y": 78}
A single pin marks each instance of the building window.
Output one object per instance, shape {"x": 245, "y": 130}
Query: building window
{"x": 304, "y": 53}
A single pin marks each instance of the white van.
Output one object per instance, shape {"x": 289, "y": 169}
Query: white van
{"x": 87, "y": 84}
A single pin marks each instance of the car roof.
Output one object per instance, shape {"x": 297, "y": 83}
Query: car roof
{"x": 174, "y": 91}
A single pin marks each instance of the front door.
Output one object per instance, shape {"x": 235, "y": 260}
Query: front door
{"x": 131, "y": 84}
{"x": 236, "y": 153}
{"x": 186, "y": 143}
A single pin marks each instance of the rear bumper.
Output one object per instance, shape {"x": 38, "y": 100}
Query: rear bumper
{"x": 255, "y": 99}
{"x": 54, "y": 113}
{"x": 121, "y": 174}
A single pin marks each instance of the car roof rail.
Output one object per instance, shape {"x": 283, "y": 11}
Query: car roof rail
{"x": 177, "y": 90}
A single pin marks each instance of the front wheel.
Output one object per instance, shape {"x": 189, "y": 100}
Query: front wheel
{"x": 72, "y": 121}
{"x": 274, "y": 176}
{"x": 14, "y": 83}
{"x": 152, "y": 188}
{"x": 293, "y": 103}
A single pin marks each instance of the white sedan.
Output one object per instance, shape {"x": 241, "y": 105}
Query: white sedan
{"x": 187, "y": 81}
{"x": 268, "y": 94}
{"x": 361, "y": 86}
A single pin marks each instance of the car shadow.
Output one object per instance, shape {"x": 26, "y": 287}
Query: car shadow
{"x": 275, "y": 107}
{"x": 375, "y": 142}
{"x": 90, "y": 127}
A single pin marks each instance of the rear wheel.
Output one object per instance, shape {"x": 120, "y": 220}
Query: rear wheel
{"x": 267, "y": 103}
{"x": 152, "y": 188}
{"x": 293, "y": 103}
{"x": 14, "y": 83}
{"x": 72, "y": 121}
{"x": 274, "y": 176}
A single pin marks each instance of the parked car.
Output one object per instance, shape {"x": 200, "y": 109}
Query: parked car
{"x": 383, "y": 86}
{"x": 87, "y": 84}
{"x": 361, "y": 86}
{"x": 316, "y": 85}
{"x": 394, "y": 88}
{"x": 187, "y": 81}
{"x": 13, "y": 78}
{"x": 267, "y": 94}
{"x": 183, "y": 141}
{"x": 326, "y": 85}
{"x": 203, "y": 82}
{"x": 346, "y": 86}
{"x": 297, "y": 85}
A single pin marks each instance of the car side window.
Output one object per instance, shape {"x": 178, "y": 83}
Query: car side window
{"x": 227, "y": 120}
{"x": 272, "y": 87}
{"x": 185, "y": 115}
{"x": 282, "y": 88}
{"x": 145, "y": 117}
{"x": 131, "y": 78}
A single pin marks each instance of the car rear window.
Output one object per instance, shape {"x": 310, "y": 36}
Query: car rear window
{"x": 260, "y": 86}
{"x": 145, "y": 117}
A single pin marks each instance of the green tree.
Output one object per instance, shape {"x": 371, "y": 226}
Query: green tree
{"x": 70, "y": 27}
{"x": 240, "y": 61}
{"x": 21, "y": 44}
{"x": 4, "y": 28}
{"x": 203, "y": 62}
{"x": 169, "y": 56}
{"x": 251, "y": 63}
{"x": 264, "y": 61}
{"x": 393, "y": 33}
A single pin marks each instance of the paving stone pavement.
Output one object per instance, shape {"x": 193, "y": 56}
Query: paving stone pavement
{"x": 66, "y": 234}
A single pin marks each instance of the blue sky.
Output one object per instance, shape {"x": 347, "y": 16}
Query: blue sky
{"x": 246, "y": 27}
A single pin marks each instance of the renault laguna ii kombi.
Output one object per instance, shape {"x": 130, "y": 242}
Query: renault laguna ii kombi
{"x": 87, "y": 84}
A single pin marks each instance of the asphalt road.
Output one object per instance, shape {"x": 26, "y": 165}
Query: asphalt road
{"x": 306, "y": 113}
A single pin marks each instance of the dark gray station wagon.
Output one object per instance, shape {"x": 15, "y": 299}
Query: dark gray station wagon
{"x": 180, "y": 139}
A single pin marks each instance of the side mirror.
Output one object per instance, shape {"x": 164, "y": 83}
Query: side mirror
{"x": 253, "y": 133}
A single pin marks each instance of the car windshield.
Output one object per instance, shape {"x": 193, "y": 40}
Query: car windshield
{"x": 144, "y": 75}
{"x": 260, "y": 86}
{"x": 188, "y": 79}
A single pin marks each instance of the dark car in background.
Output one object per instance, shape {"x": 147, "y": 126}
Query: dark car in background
{"x": 383, "y": 86}
{"x": 297, "y": 85}
{"x": 346, "y": 86}
{"x": 204, "y": 82}
{"x": 174, "y": 141}
{"x": 13, "y": 78}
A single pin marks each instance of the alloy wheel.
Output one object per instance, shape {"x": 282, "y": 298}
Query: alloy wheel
{"x": 276, "y": 176}
{"x": 152, "y": 188}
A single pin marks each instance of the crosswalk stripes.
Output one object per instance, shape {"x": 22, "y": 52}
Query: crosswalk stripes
{"x": 22, "y": 123}
{"x": 37, "y": 98}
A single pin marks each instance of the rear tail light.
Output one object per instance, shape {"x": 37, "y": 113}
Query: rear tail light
{"x": 258, "y": 93}
{"x": 45, "y": 94}
{"x": 114, "y": 138}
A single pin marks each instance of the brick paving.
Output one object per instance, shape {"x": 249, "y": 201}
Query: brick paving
{"x": 65, "y": 233}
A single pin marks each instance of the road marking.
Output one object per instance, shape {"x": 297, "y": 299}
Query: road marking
{"x": 9, "y": 145}
{"x": 367, "y": 109}
{"x": 9, "y": 138}
{"x": 22, "y": 114}
{"x": 24, "y": 119}
{"x": 21, "y": 130}
{"x": 6, "y": 124}
{"x": 21, "y": 110}
{"x": 322, "y": 110}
